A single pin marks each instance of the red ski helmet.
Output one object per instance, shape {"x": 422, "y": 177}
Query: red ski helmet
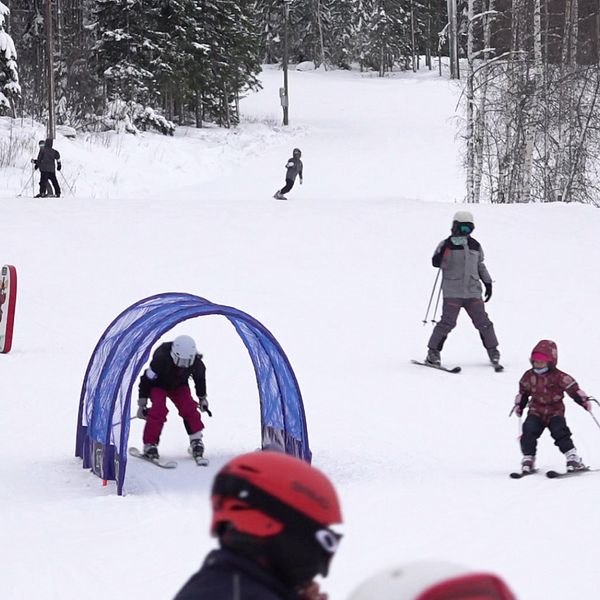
{"x": 275, "y": 505}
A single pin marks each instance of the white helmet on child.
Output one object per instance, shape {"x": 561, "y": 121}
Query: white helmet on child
{"x": 183, "y": 351}
{"x": 432, "y": 580}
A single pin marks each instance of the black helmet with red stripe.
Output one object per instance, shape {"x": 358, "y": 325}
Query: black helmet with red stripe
{"x": 278, "y": 510}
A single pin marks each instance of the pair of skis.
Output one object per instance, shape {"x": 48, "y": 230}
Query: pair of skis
{"x": 498, "y": 368}
{"x": 551, "y": 474}
{"x": 168, "y": 464}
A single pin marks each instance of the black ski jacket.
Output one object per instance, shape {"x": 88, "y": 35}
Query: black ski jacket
{"x": 226, "y": 575}
{"x": 47, "y": 157}
{"x": 164, "y": 374}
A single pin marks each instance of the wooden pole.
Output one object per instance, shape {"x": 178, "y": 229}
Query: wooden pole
{"x": 285, "y": 103}
{"x": 50, "y": 68}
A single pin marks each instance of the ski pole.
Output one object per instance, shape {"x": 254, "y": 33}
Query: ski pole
{"x": 25, "y": 186}
{"x": 437, "y": 303}
{"x": 67, "y": 184}
{"x": 431, "y": 297}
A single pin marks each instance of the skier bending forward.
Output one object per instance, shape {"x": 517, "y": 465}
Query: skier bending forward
{"x": 173, "y": 363}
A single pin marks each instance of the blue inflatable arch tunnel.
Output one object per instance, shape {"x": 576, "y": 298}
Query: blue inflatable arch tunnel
{"x": 124, "y": 349}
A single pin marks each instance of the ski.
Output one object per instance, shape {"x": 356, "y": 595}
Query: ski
{"x": 562, "y": 474}
{"x": 521, "y": 474}
{"x": 170, "y": 464}
{"x": 439, "y": 368}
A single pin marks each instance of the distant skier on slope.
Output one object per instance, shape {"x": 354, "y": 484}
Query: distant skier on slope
{"x": 543, "y": 387}
{"x": 172, "y": 364}
{"x": 273, "y": 516}
{"x": 49, "y": 191}
{"x": 294, "y": 169}
{"x": 48, "y": 162}
{"x": 460, "y": 257}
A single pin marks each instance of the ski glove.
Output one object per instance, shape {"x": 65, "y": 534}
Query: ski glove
{"x": 142, "y": 410}
{"x": 587, "y": 405}
{"x": 488, "y": 291}
{"x": 58, "y": 166}
{"x": 203, "y": 404}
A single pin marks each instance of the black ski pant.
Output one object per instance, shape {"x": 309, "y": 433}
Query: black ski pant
{"x": 289, "y": 184}
{"x": 475, "y": 309}
{"x": 533, "y": 428}
{"x": 46, "y": 176}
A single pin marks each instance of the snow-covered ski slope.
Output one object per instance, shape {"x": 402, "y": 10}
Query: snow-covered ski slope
{"x": 341, "y": 274}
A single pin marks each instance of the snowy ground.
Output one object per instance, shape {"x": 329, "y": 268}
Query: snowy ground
{"x": 341, "y": 275}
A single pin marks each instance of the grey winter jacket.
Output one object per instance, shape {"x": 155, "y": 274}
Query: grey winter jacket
{"x": 462, "y": 268}
{"x": 294, "y": 168}
{"x": 47, "y": 158}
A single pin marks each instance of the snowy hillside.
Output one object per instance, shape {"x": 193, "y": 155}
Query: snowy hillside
{"x": 341, "y": 275}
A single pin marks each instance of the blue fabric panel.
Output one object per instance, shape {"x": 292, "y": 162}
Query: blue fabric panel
{"x": 124, "y": 349}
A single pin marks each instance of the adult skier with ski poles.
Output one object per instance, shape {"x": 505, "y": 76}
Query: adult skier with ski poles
{"x": 48, "y": 162}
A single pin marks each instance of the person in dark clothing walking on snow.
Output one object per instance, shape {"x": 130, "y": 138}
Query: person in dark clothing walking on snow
{"x": 48, "y": 161}
{"x": 460, "y": 257}
{"x": 172, "y": 364}
{"x": 294, "y": 169}
{"x": 543, "y": 387}
{"x": 272, "y": 515}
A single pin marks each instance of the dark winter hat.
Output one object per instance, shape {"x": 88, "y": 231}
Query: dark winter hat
{"x": 297, "y": 152}
{"x": 41, "y": 142}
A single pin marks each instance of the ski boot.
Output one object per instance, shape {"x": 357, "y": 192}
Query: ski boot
{"x": 151, "y": 451}
{"x": 433, "y": 357}
{"x": 196, "y": 449}
{"x": 528, "y": 463}
{"x": 494, "y": 355}
{"x": 574, "y": 462}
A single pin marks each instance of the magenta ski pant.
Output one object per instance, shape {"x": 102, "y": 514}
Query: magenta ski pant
{"x": 475, "y": 309}
{"x": 157, "y": 414}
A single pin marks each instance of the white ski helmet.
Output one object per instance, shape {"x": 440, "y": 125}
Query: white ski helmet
{"x": 463, "y": 216}
{"x": 183, "y": 351}
{"x": 432, "y": 580}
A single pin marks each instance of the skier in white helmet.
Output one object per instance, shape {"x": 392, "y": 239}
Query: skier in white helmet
{"x": 172, "y": 364}
{"x": 432, "y": 580}
{"x": 460, "y": 258}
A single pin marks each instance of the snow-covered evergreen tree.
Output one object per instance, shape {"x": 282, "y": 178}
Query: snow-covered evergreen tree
{"x": 10, "y": 89}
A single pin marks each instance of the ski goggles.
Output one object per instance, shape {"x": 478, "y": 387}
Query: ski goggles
{"x": 328, "y": 539}
{"x": 465, "y": 228}
{"x": 475, "y": 586}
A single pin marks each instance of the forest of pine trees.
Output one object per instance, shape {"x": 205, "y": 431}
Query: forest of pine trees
{"x": 190, "y": 60}
{"x": 530, "y": 70}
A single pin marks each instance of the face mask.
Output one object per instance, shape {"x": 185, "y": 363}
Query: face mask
{"x": 540, "y": 371}
{"x": 458, "y": 240}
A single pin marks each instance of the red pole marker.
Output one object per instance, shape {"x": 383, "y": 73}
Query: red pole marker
{"x": 8, "y": 300}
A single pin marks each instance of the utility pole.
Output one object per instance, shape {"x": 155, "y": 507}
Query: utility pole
{"x": 453, "y": 40}
{"x": 50, "y": 68}
{"x": 283, "y": 92}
